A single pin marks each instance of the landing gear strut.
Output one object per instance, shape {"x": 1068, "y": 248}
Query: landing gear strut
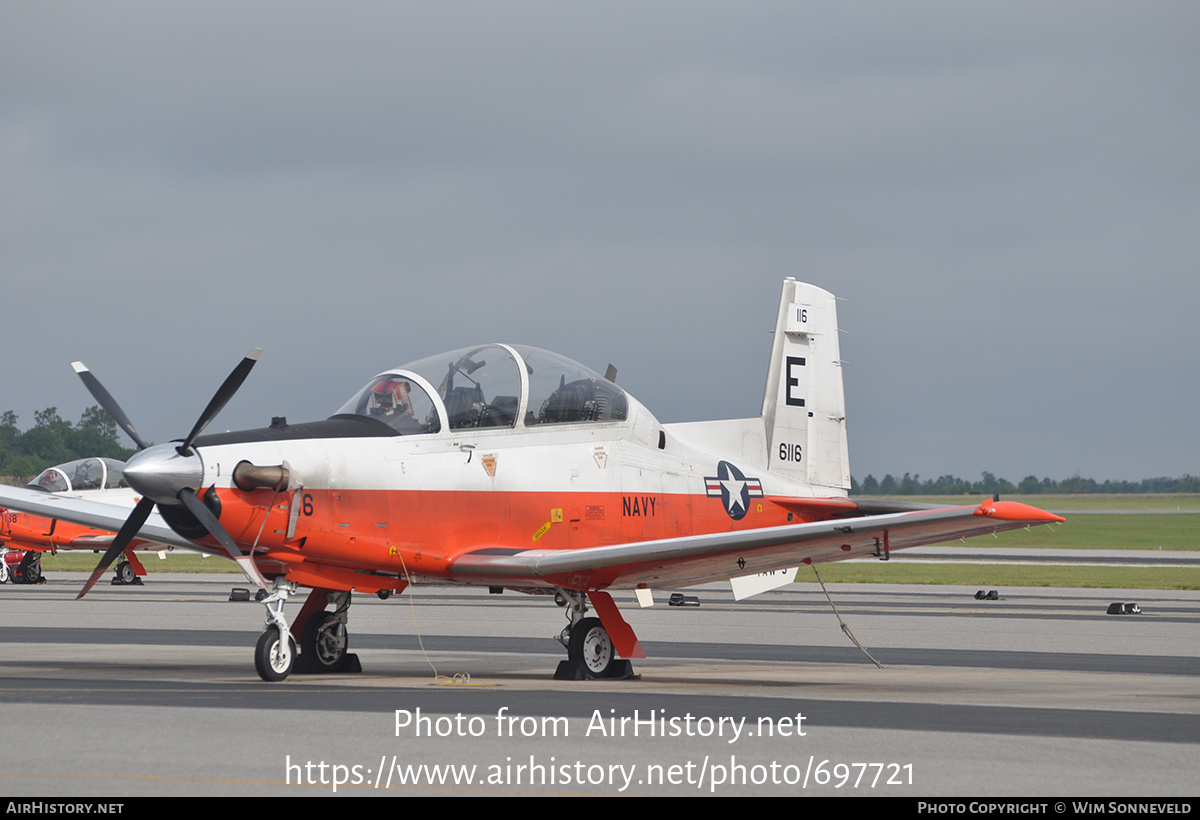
{"x": 275, "y": 654}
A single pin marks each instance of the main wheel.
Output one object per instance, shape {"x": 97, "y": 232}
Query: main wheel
{"x": 125, "y": 573}
{"x": 268, "y": 661}
{"x": 325, "y": 641}
{"x": 33, "y": 571}
{"x": 3, "y": 570}
{"x": 591, "y": 646}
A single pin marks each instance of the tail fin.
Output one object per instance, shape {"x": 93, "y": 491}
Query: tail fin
{"x": 804, "y": 409}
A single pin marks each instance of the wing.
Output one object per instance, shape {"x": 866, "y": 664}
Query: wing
{"x": 101, "y": 541}
{"x": 697, "y": 559}
{"x": 95, "y": 514}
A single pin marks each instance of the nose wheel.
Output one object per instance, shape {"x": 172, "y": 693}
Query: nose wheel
{"x": 275, "y": 654}
{"x": 273, "y": 660}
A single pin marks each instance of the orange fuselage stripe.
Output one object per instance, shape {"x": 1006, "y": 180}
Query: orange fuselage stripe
{"x": 424, "y": 531}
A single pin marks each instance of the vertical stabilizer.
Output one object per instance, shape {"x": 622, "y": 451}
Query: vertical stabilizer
{"x": 804, "y": 409}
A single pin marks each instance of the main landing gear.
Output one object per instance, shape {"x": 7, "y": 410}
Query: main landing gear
{"x": 324, "y": 639}
{"x": 27, "y": 571}
{"x": 125, "y": 575}
{"x": 591, "y": 654}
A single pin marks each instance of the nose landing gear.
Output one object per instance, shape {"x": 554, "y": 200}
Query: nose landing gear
{"x": 273, "y": 657}
{"x": 324, "y": 639}
{"x": 275, "y": 654}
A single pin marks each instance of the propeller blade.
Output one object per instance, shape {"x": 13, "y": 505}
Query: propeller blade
{"x": 221, "y": 398}
{"x": 128, "y": 530}
{"x": 205, "y": 516}
{"x": 108, "y": 403}
{"x": 211, "y": 523}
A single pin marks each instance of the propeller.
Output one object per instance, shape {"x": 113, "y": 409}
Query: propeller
{"x": 168, "y": 474}
{"x": 108, "y": 403}
{"x": 221, "y": 398}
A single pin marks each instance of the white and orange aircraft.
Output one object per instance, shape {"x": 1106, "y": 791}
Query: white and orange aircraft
{"x": 95, "y": 478}
{"x": 512, "y": 467}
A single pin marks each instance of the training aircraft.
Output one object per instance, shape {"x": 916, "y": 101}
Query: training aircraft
{"x": 96, "y": 478}
{"x": 512, "y": 467}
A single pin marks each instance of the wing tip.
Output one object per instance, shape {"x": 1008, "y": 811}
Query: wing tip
{"x": 1016, "y": 511}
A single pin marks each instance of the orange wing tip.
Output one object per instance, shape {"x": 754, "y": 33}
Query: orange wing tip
{"x": 1016, "y": 511}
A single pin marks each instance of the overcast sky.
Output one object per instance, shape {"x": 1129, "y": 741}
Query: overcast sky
{"x": 1006, "y": 195}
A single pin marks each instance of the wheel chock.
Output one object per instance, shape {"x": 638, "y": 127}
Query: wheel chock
{"x": 575, "y": 670}
{"x": 350, "y": 665}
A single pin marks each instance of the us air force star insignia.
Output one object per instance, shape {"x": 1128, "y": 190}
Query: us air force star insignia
{"x": 733, "y": 488}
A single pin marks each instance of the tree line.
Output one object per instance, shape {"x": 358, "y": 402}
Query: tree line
{"x": 52, "y": 440}
{"x": 989, "y": 484}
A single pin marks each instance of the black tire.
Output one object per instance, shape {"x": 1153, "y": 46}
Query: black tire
{"x": 325, "y": 642}
{"x": 125, "y": 573}
{"x": 384, "y": 594}
{"x": 592, "y": 647}
{"x": 5, "y": 575}
{"x": 266, "y": 660}
{"x": 33, "y": 570}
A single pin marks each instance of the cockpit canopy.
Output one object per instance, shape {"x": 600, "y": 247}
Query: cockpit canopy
{"x": 489, "y": 386}
{"x": 84, "y": 474}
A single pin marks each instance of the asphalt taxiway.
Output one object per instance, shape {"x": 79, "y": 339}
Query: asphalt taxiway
{"x": 151, "y": 690}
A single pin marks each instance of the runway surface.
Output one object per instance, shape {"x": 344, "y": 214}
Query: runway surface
{"x": 152, "y": 691}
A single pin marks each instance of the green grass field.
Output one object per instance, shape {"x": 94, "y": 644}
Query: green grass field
{"x": 1103, "y": 531}
{"x": 174, "y": 562}
{"x": 992, "y": 576}
{"x": 1082, "y": 501}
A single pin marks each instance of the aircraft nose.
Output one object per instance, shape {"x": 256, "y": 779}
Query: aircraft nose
{"x": 160, "y": 472}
